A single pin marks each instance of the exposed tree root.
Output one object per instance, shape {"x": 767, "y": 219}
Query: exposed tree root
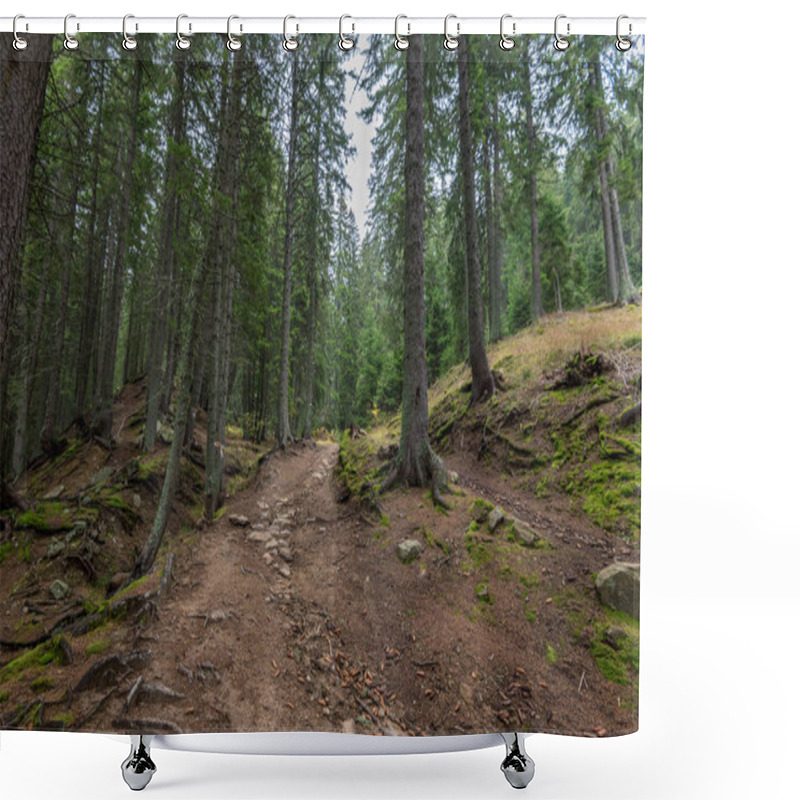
{"x": 427, "y": 469}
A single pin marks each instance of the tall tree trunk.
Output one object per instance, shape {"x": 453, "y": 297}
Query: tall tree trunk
{"x": 308, "y": 389}
{"x": 482, "y": 379}
{"x": 28, "y": 371}
{"x": 164, "y": 270}
{"x": 54, "y": 383}
{"x": 22, "y": 89}
{"x": 492, "y": 260}
{"x": 23, "y": 82}
{"x": 627, "y": 291}
{"x": 612, "y": 275}
{"x": 537, "y": 308}
{"x": 91, "y": 306}
{"x": 416, "y": 463}
{"x": 184, "y": 378}
{"x": 284, "y": 431}
{"x": 104, "y": 392}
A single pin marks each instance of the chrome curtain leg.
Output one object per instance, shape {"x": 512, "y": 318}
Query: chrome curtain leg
{"x": 138, "y": 768}
{"x": 518, "y": 766}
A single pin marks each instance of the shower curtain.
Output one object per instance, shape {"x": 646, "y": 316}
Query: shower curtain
{"x": 320, "y": 384}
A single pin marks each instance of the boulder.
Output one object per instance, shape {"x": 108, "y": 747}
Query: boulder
{"x": 101, "y": 476}
{"x": 59, "y": 589}
{"x": 496, "y": 517}
{"x": 55, "y": 493}
{"x": 238, "y": 520}
{"x": 137, "y": 500}
{"x": 525, "y": 534}
{"x": 618, "y": 587}
{"x": 56, "y": 548}
{"x": 409, "y": 550}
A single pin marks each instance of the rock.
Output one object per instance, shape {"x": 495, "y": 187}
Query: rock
{"x": 164, "y": 432}
{"x": 496, "y": 517}
{"x": 238, "y": 520}
{"x": 286, "y": 554}
{"x": 409, "y": 550}
{"x": 59, "y": 589}
{"x": 259, "y": 536}
{"x": 618, "y": 587}
{"x": 101, "y": 476}
{"x": 525, "y": 535}
{"x": 259, "y": 526}
{"x": 285, "y": 571}
{"x": 480, "y": 510}
{"x": 54, "y": 493}
{"x": 452, "y": 477}
{"x": 117, "y": 582}
{"x": 55, "y": 549}
{"x": 615, "y": 637}
{"x": 482, "y": 591}
{"x": 137, "y": 500}
{"x": 268, "y": 558}
{"x": 349, "y": 726}
{"x": 130, "y": 469}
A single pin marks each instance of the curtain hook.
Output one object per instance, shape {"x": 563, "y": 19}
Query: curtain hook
{"x": 623, "y": 44}
{"x": 128, "y": 41}
{"x": 345, "y": 42}
{"x": 289, "y": 42}
{"x": 400, "y": 42}
{"x": 451, "y": 42}
{"x": 70, "y": 42}
{"x": 19, "y": 42}
{"x": 506, "y": 42}
{"x": 233, "y": 43}
{"x": 181, "y": 42}
{"x": 561, "y": 44}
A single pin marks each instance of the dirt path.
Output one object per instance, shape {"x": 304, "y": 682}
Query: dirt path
{"x": 301, "y": 617}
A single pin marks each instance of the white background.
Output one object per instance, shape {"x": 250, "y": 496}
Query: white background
{"x": 720, "y": 603}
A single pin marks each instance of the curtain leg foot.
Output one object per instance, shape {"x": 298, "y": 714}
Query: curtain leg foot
{"x": 518, "y": 766}
{"x": 138, "y": 768}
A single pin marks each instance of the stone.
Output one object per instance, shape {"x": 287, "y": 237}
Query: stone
{"x": 268, "y": 558}
{"x": 496, "y": 517}
{"x": 285, "y": 571}
{"x": 409, "y": 550}
{"x": 238, "y": 520}
{"x": 130, "y": 469}
{"x": 137, "y": 500}
{"x": 618, "y": 587}
{"x": 349, "y": 726}
{"x": 452, "y": 477}
{"x": 59, "y": 589}
{"x": 615, "y": 637}
{"x": 164, "y": 432}
{"x": 54, "y": 493}
{"x": 101, "y": 476}
{"x": 525, "y": 534}
{"x": 56, "y": 547}
{"x": 286, "y": 554}
{"x": 259, "y": 526}
{"x": 259, "y": 536}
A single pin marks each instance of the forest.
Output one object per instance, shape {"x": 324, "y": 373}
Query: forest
{"x": 184, "y": 222}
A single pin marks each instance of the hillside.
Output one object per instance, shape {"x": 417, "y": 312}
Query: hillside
{"x": 295, "y": 611}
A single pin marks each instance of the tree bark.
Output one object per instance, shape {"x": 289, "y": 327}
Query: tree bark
{"x": 416, "y": 463}
{"x": 22, "y": 90}
{"x": 612, "y": 275}
{"x": 163, "y": 279}
{"x": 482, "y": 379}
{"x": 284, "y": 430}
{"x": 537, "y": 308}
{"x": 104, "y": 391}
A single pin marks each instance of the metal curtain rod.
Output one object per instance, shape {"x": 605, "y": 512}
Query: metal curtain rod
{"x": 354, "y": 25}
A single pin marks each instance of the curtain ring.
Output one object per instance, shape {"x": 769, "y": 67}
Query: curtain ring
{"x": 506, "y": 42}
{"x": 233, "y": 44}
{"x": 19, "y": 42}
{"x": 128, "y": 41}
{"x": 70, "y": 42}
{"x": 345, "y": 42}
{"x": 623, "y": 44}
{"x": 289, "y": 42}
{"x": 451, "y": 42}
{"x": 400, "y": 42}
{"x": 181, "y": 42}
{"x": 561, "y": 44}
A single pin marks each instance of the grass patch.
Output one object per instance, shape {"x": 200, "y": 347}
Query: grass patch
{"x": 46, "y": 653}
{"x": 612, "y": 496}
{"x": 550, "y": 656}
{"x": 100, "y": 646}
{"x": 42, "y": 684}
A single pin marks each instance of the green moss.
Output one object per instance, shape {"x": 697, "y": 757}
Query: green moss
{"x": 45, "y": 653}
{"x": 42, "y": 684}
{"x": 530, "y": 581}
{"x": 541, "y": 489}
{"x": 67, "y": 718}
{"x": 50, "y": 516}
{"x": 611, "y": 495}
{"x": 100, "y": 646}
{"x": 5, "y": 551}
{"x": 433, "y": 541}
{"x": 384, "y": 521}
{"x": 530, "y": 614}
{"x": 550, "y": 656}
{"x": 483, "y": 593}
{"x": 608, "y": 662}
{"x": 221, "y": 512}
{"x": 480, "y": 510}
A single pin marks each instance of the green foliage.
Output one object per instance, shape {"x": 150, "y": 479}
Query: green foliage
{"x": 551, "y": 656}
